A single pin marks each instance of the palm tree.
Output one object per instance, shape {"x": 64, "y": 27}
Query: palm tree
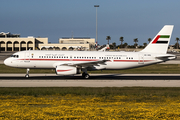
{"x": 108, "y": 38}
{"x": 177, "y": 43}
{"x": 125, "y": 45}
{"x": 121, "y": 39}
{"x": 145, "y": 44}
{"x": 149, "y": 39}
{"x": 135, "y": 40}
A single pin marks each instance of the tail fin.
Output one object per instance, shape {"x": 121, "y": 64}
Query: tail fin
{"x": 161, "y": 41}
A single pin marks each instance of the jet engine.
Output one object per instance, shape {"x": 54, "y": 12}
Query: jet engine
{"x": 67, "y": 70}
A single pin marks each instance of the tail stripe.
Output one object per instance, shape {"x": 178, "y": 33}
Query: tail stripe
{"x": 160, "y": 36}
{"x": 162, "y": 42}
{"x": 156, "y": 39}
{"x": 164, "y": 36}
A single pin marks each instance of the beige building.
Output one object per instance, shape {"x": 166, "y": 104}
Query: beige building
{"x": 19, "y": 44}
{"x": 16, "y": 43}
{"x": 70, "y": 44}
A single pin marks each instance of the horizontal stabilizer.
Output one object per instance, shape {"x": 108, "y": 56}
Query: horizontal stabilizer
{"x": 166, "y": 56}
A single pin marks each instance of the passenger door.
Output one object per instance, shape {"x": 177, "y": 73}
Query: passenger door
{"x": 27, "y": 57}
{"x": 141, "y": 59}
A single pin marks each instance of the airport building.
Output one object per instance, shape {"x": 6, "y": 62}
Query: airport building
{"x": 13, "y": 42}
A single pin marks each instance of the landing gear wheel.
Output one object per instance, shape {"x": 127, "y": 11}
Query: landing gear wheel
{"x": 26, "y": 76}
{"x": 85, "y": 75}
{"x": 27, "y": 73}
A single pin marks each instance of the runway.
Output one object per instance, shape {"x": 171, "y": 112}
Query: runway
{"x": 96, "y": 80}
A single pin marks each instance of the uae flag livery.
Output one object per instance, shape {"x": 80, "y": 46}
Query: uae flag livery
{"x": 161, "y": 39}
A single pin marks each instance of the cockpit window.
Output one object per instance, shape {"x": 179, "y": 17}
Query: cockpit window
{"x": 15, "y": 56}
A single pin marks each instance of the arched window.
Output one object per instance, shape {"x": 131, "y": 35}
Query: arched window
{"x": 22, "y": 45}
{"x": 16, "y": 46}
{"x": 64, "y": 48}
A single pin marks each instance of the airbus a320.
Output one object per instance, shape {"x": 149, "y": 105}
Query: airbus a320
{"x": 77, "y": 62}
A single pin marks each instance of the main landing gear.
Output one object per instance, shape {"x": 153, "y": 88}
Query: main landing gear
{"x": 85, "y": 74}
{"x": 27, "y": 73}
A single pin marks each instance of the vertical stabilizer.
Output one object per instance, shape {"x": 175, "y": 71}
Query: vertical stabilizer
{"x": 161, "y": 41}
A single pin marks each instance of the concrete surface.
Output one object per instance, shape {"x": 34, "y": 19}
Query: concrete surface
{"x": 97, "y": 80}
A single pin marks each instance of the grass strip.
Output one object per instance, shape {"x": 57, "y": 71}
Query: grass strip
{"x": 98, "y": 92}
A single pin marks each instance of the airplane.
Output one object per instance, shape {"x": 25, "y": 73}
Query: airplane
{"x": 77, "y": 62}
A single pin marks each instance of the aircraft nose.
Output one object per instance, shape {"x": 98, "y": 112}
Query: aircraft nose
{"x": 7, "y": 61}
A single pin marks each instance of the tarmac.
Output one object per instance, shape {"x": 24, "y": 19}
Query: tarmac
{"x": 96, "y": 80}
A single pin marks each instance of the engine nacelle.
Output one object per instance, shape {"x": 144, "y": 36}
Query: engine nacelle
{"x": 67, "y": 70}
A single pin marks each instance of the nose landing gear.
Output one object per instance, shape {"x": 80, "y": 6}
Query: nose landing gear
{"x": 27, "y": 73}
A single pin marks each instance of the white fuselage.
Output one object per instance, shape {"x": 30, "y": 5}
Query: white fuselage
{"x": 51, "y": 59}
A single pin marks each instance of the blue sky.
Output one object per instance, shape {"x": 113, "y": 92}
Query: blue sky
{"x": 54, "y": 19}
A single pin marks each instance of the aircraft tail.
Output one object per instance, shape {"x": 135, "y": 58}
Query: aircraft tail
{"x": 161, "y": 41}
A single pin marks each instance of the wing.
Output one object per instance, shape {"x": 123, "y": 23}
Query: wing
{"x": 87, "y": 64}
